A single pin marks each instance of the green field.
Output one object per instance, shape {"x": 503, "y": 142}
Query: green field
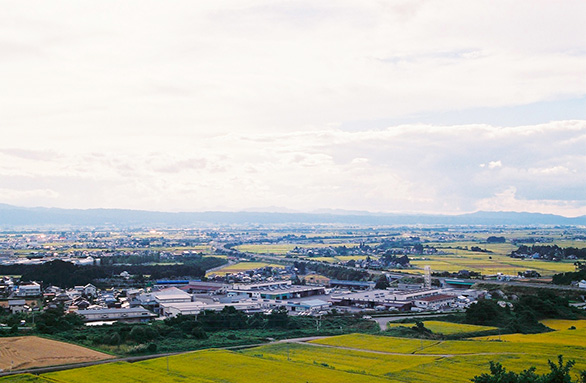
{"x": 455, "y": 256}
{"x": 488, "y": 264}
{"x": 346, "y": 358}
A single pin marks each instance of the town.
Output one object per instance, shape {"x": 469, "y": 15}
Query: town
{"x": 311, "y": 274}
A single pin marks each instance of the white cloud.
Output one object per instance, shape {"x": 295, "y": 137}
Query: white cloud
{"x": 194, "y": 106}
{"x": 404, "y": 168}
{"x": 495, "y": 164}
{"x": 508, "y": 201}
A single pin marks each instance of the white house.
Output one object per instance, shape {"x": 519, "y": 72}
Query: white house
{"x": 31, "y": 289}
{"x": 435, "y": 302}
{"x": 90, "y": 290}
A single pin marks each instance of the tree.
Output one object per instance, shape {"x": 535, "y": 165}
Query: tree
{"x": 559, "y": 373}
{"x": 382, "y": 283}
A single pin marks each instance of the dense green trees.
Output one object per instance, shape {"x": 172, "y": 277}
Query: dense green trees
{"x": 549, "y": 252}
{"x": 568, "y": 278}
{"x": 334, "y": 272}
{"x": 52, "y": 321}
{"x": 66, "y": 274}
{"x": 524, "y": 314}
{"x": 559, "y": 373}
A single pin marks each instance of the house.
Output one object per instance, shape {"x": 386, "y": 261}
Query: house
{"x": 90, "y": 290}
{"x": 435, "y": 302}
{"x": 30, "y": 289}
{"x": 17, "y": 306}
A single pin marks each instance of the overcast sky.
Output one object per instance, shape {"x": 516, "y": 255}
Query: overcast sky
{"x": 386, "y": 106}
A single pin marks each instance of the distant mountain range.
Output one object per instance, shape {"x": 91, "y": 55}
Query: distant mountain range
{"x": 17, "y": 217}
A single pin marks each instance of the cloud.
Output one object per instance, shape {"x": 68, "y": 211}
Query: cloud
{"x": 191, "y": 69}
{"x": 30, "y": 197}
{"x": 508, "y": 201}
{"x": 194, "y": 106}
{"x": 495, "y": 164}
{"x": 404, "y": 168}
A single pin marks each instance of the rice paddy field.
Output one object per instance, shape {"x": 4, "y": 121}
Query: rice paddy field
{"x": 452, "y": 257}
{"x": 240, "y": 267}
{"x": 563, "y": 334}
{"x": 489, "y": 264}
{"x": 282, "y": 249}
{"x": 346, "y": 358}
{"x": 447, "y": 328}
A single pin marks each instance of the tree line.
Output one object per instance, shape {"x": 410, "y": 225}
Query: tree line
{"x": 66, "y": 274}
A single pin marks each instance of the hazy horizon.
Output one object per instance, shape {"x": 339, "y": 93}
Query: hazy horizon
{"x": 407, "y": 107}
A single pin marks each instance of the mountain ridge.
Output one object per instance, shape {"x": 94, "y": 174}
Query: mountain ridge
{"x": 14, "y": 216}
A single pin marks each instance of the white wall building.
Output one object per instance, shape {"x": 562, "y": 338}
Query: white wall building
{"x": 32, "y": 289}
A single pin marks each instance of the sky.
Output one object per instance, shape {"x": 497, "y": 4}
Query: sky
{"x": 384, "y": 106}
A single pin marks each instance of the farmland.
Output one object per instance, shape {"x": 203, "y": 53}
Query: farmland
{"x": 447, "y": 328}
{"x": 241, "y": 267}
{"x": 452, "y": 256}
{"x": 345, "y": 358}
{"x": 31, "y": 351}
{"x": 563, "y": 334}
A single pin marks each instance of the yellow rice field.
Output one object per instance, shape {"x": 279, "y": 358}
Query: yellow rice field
{"x": 353, "y": 358}
{"x": 208, "y": 366}
{"x": 575, "y": 337}
{"x": 564, "y": 324}
{"x": 446, "y": 328}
